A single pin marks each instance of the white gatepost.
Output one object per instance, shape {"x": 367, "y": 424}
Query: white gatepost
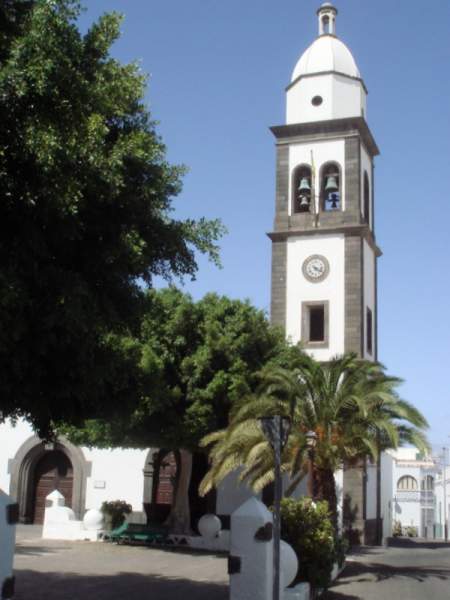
{"x": 250, "y": 563}
{"x": 8, "y": 519}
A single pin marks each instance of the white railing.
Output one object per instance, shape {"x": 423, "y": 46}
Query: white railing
{"x": 424, "y": 497}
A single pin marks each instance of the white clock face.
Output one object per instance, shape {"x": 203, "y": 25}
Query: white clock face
{"x": 315, "y": 268}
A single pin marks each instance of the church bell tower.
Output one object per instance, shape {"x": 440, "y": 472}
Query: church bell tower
{"x": 324, "y": 252}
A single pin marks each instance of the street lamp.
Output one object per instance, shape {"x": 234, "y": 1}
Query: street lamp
{"x": 276, "y": 429}
{"x": 311, "y": 441}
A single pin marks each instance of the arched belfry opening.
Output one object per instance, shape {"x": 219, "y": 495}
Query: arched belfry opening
{"x": 330, "y": 187}
{"x": 38, "y": 468}
{"x": 366, "y": 198}
{"x": 301, "y": 189}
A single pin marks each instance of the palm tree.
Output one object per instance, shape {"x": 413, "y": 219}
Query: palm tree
{"x": 351, "y": 405}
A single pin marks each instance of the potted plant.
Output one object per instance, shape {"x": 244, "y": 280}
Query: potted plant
{"x": 114, "y": 512}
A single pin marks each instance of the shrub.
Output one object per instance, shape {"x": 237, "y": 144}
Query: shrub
{"x": 115, "y": 511}
{"x": 307, "y": 527}
{"x": 411, "y": 531}
{"x": 397, "y": 529}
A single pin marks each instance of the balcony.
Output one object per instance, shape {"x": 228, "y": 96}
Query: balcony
{"x": 425, "y": 498}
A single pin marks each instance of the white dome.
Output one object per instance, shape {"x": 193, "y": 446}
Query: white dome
{"x": 326, "y": 53}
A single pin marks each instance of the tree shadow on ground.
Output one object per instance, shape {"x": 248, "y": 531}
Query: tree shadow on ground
{"x": 37, "y": 550}
{"x": 331, "y": 595}
{"x": 35, "y": 585}
{"x": 374, "y": 572}
{"x": 401, "y": 542}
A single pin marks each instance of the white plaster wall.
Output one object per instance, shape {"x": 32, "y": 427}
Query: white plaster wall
{"x": 371, "y": 491}
{"x": 387, "y": 493}
{"x": 323, "y": 152}
{"x": 342, "y": 97}
{"x": 439, "y": 493}
{"x": 120, "y": 471}
{"x": 11, "y": 438}
{"x": 339, "y": 481}
{"x": 300, "y": 290}
{"x": 408, "y": 513}
{"x": 369, "y": 297}
{"x": 231, "y": 494}
{"x": 366, "y": 165}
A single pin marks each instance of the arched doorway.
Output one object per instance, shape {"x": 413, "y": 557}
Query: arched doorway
{"x": 23, "y": 475}
{"x": 53, "y": 471}
{"x": 164, "y": 481}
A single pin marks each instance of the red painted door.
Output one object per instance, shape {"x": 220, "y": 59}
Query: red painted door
{"x": 53, "y": 472}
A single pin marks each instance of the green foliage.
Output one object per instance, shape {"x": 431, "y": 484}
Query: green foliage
{"x": 397, "y": 529}
{"x": 86, "y": 212}
{"x": 197, "y": 359}
{"x": 307, "y": 527}
{"x": 115, "y": 511}
{"x": 351, "y": 405}
{"x": 411, "y": 531}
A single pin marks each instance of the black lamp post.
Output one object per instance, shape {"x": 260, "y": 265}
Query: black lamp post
{"x": 311, "y": 441}
{"x": 276, "y": 429}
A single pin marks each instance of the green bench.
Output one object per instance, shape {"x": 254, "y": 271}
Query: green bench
{"x": 129, "y": 533}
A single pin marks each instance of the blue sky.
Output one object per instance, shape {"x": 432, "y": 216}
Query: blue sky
{"x": 217, "y": 76}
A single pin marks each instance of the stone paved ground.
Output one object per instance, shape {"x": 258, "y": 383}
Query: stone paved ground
{"x": 56, "y": 570}
{"x": 409, "y": 570}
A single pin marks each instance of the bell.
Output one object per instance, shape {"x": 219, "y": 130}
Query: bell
{"x": 304, "y": 201}
{"x": 304, "y": 185}
{"x": 331, "y": 184}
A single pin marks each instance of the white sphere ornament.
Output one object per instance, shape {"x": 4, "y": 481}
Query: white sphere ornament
{"x": 209, "y": 526}
{"x": 93, "y": 520}
{"x": 288, "y": 564}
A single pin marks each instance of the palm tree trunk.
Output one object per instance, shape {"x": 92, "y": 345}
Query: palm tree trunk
{"x": 325, "y": 489}
{"x": 179, "y": 519}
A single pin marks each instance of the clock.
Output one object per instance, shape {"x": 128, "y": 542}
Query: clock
{"x": 316, "y": 268}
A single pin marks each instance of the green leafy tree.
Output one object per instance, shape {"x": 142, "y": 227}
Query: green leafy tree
{"x": 86, "y": 200}
{"x": 351, "y": 405}
{"x": 197, "y": 360}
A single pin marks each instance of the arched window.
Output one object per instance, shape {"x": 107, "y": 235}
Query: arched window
{"x": 326, "y": 24}
{"x": 407, "y": 483}
{"x": 301, "y": 189}
{"x": 366, "y": 198}
{"x": 330, "y": 187}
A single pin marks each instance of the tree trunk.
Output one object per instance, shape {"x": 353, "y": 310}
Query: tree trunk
{"x": 179, "y": 519}
{"x": 325, "y": 489}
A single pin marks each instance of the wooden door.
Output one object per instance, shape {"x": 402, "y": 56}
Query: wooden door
{"x": 53, "y": 472}
{"x": 166, "y": 479}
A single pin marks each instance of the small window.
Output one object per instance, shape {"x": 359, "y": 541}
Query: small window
{"x": 315, "y": 324}
{"x": 301, "y": 189}
{"x": 366, "y": 198}
{"x": 326, "y": 24}
{"x": 407, "y": 483}
{"x": 330, "y": 187}
{"x": 317, "y": 101}
{"x": 369, "y": 331}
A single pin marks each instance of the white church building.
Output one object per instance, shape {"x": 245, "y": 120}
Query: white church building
{"x": 323, "y": 292}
